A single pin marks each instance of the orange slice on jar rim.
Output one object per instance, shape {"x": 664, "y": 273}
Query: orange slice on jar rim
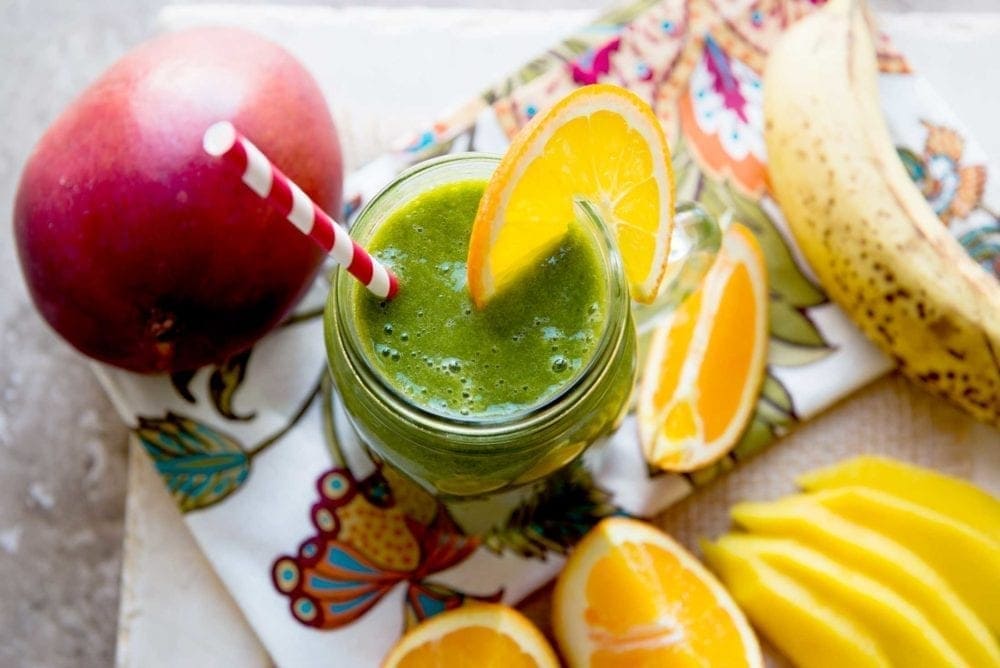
{"x": 705, "y": 365}
{"x": 475, "y": 634}
{"x": 601, "y": 144}
{"x": 631, "y": 596}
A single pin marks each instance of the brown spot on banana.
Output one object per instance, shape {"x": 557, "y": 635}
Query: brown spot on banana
{"x": 943, "y": 328}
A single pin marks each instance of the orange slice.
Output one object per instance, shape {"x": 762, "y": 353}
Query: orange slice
{"x": 601, "y": 144}
{"x": 630, "y": 596}
{"x": 477, "y": 634}
{"x": 705, "y": 363}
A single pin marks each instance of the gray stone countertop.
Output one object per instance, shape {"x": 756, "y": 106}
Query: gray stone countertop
{"x": 62, "y": 448}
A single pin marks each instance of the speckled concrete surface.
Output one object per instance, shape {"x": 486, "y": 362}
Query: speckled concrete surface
{"x": 62, "y": 450}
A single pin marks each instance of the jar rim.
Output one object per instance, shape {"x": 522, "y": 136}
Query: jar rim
{"x": 347, "y": 336}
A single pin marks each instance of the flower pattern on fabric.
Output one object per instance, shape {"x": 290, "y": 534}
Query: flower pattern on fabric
{"x": 952, "y": 189}
{"x": 955, "y": 192}
{"x": 655, "y": 53}
{"x": 639, "y": 56}
{"x": 983, "y": 245}
{"x": 365, "y": 545}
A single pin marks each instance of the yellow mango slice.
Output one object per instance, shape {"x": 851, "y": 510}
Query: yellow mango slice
{"x": 965, "y": 558}
{"x": 949, "y": 496}
{"x": 906, "y": 636}
{"x": 876, "y": 556}
{"x": 810, "y": 633}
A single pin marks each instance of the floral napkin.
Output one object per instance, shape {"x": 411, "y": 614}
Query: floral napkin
{"x": 331, "y": 557}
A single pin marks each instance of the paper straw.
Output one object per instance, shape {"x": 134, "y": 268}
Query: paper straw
{"x": 222, "y": 140}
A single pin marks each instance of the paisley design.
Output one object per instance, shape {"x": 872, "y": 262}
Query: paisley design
{"x": 722, "y": 117}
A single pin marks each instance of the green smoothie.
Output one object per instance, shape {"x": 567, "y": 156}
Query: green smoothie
{"x": 435, "y": 348}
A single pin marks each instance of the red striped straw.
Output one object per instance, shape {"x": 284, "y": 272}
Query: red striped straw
{"x": 222, "y": 140}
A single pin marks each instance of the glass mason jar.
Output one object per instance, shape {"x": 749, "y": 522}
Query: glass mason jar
{"x": 461, "y": 456}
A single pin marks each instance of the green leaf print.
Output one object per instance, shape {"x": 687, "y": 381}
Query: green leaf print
{"x": 707, "y": 474}
{"x": 983, "y": 245}
{"x": 775, "y": 411}
{"x": 791, "y": 325}
{"x": 571, "y": 47}
{"x": 786, "y": 279}
{"x": 199, "y": 465}
{"x": 770, "y": 414}
{"x": 774, "y": 392}
{"x": 624, "y": 13}
{"x": 783, "y": 353}
{"x": 533, "y": 69}
{"x": 913, "y": 163}
{"x": 759, "y": 435}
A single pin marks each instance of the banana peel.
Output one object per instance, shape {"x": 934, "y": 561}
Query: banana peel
{"x": 874, "y": 242}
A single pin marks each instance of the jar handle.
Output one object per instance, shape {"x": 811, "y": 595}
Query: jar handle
{"x": 693, "y": 247}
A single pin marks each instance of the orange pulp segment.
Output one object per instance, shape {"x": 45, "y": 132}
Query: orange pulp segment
{"x": 630, "y": 596}
{"x": 706, "y": 361}
{"x": 486, "y": 635}
{"x": 601, "y": 144}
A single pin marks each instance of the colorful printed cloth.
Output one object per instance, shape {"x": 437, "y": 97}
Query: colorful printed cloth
{"x": 331, "y": 556}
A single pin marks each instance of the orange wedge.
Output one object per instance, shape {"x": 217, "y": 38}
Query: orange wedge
{"x": 601, "y": 144}
{"x": 477, "y": 634}
{"x": 630, "y": 596}
{"x": 705, "y": 363}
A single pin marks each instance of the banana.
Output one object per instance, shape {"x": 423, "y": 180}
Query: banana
{"x": 875, "y": 244}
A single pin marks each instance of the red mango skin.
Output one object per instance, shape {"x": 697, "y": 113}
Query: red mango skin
{"x": 143, "y": 251}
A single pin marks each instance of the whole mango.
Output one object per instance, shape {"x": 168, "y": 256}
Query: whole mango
{"x": 140, "y": 249}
